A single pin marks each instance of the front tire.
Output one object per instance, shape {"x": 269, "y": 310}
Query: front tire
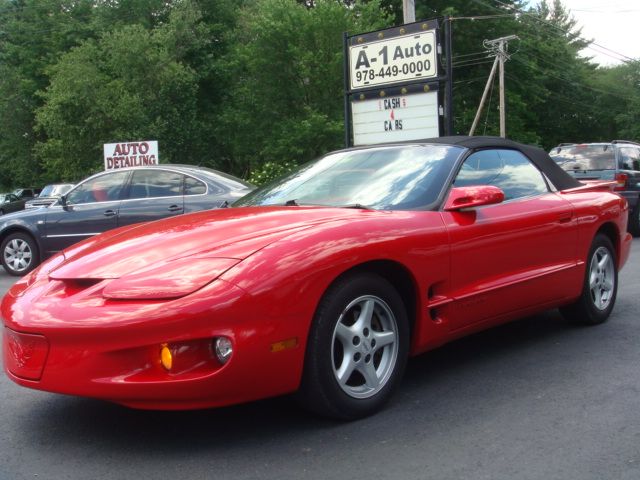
{"x": 600, "y": 285}
{"x": 357, "y": 348}
{"x": 19, "y": 254}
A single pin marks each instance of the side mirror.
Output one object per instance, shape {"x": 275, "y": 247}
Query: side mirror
{"x": 462, "y": 198}
{"x": 63, "y": 201}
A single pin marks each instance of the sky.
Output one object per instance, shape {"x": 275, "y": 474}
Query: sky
{"x": 612, "y": 24}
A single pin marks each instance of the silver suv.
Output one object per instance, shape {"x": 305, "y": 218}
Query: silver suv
{"x": 618, "y": 160}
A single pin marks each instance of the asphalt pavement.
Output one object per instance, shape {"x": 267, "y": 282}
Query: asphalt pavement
{"x": 534, "y": 399}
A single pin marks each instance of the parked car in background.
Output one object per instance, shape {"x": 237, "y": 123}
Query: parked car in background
{"x": 108, "y": 200}
{"x": 10, "y": 203}
{"x": 321, "y": 283}
{"x": 618, "y": 160}
{"x": 26, "y": 193}
{"x": 49, "y": 194}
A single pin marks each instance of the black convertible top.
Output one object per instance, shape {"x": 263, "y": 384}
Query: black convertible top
{"x": 560, "y": 179}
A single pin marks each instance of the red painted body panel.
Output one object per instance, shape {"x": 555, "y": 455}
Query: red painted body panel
{"x": 469, "y": 270}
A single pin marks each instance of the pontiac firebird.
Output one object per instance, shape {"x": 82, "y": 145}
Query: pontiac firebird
{"x": 322, "y": 283}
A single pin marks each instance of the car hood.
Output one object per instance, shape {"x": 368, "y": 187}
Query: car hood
{"x": 224, "y": 233}
{"x": 22, "y": 217}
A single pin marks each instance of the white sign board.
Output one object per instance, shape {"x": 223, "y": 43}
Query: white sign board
{"x": 394, "y": 60}
{"x": 130, "y": 154}
{"x": 395, "y": 119}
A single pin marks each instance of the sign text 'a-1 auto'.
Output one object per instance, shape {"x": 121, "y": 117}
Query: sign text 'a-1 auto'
{"x": 393, "y": 60}
{"x": 130, "y": 154}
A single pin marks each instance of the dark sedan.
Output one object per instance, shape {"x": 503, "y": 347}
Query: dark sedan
{"x": 10, "y": 203}
{"x": 108, "y": 200}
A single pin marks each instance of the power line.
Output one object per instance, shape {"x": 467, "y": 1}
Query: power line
{"x": 566, "y": 32}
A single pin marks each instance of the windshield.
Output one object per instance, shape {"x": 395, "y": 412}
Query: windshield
{"x": 55, "y": 190}
{"x": 386, "y": 178}
{"x": 585, "y": 157}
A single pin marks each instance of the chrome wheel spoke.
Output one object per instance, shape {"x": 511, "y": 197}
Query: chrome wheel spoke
{"x": 597, "y": 297}
{"x": 383, "y": 339}
{"x": 364, "y": 319}
{"x": 604, "y": 261}
{"x": 370, "y": 375}
{"x": 346, "y": 370}
{"x": 344, "y": 334}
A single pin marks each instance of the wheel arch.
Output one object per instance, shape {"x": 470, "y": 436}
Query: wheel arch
{"x": 611, "y": 232}
{"x": 398, "y": 276}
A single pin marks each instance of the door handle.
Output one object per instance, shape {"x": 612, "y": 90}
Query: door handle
{"x": 174, "y": 208}
{"x": 109, "y": 213}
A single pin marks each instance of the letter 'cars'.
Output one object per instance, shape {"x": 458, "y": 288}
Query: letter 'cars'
{"x": 322, "y": 283}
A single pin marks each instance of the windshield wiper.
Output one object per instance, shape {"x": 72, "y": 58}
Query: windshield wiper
{"x": 357, "y": 205}
{"x": 291, "y": 203}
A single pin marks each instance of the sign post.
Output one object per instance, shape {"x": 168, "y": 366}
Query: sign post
{"x": 393, "y": 84}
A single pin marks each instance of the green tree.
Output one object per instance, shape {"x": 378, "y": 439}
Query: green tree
{"x": 33, "y": 35}
{"x": 286, "y": 103}
{"x": 126, "y": 86}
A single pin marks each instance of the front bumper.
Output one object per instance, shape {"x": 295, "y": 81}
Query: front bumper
{"x": 92, "y": 347}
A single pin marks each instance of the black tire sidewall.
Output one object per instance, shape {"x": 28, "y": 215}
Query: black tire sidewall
{"x": 320, "y": 389}
{"x": 34, "y": 254}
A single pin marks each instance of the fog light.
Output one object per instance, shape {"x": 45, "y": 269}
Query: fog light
{"x": 166, "y": 358}
{"x": 223, "y": 348}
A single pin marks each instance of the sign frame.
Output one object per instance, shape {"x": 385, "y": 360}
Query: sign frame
{"x": 441, "y": 81}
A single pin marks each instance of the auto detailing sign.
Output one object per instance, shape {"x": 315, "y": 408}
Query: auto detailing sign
{"x": 388, "y": 61}
{"x": 130, "y": 154}
{"x": 395, "y": 118}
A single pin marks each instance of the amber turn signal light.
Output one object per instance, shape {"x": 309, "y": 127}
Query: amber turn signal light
{"x": 166, "y": 358}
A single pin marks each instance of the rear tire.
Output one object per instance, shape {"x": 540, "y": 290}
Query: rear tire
{"x": 357, "y": 348}
{"x": 600, "y": 285}
{"x": 19, "y": 254}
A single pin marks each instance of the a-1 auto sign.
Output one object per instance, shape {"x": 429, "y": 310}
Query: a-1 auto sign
{"x": 398, "y": 83}
{"x": 389, "y": 61}
{"x": 395, "y": 118}
{"x": 130, "y": 154}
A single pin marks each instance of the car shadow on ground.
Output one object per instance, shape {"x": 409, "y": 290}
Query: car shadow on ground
{"x": 79, "y": 421}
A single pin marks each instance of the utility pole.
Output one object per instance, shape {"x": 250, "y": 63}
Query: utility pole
{"x": 409, "y": 11}
{"x": 497, "y": 49}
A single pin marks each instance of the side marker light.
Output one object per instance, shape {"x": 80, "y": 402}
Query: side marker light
{"x": 284, "y": 345}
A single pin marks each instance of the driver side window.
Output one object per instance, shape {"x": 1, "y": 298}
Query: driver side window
{"x": 104, "y": 188}
{"x": 508, "y": 170}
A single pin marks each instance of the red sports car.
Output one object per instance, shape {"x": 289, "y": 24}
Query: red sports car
{"x": 322, "y": 283}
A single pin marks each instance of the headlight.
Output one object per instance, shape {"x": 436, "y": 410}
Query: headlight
{"x": 168, "y": 280}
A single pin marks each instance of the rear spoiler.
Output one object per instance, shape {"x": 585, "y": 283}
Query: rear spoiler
{"x": 593, "y": 186}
